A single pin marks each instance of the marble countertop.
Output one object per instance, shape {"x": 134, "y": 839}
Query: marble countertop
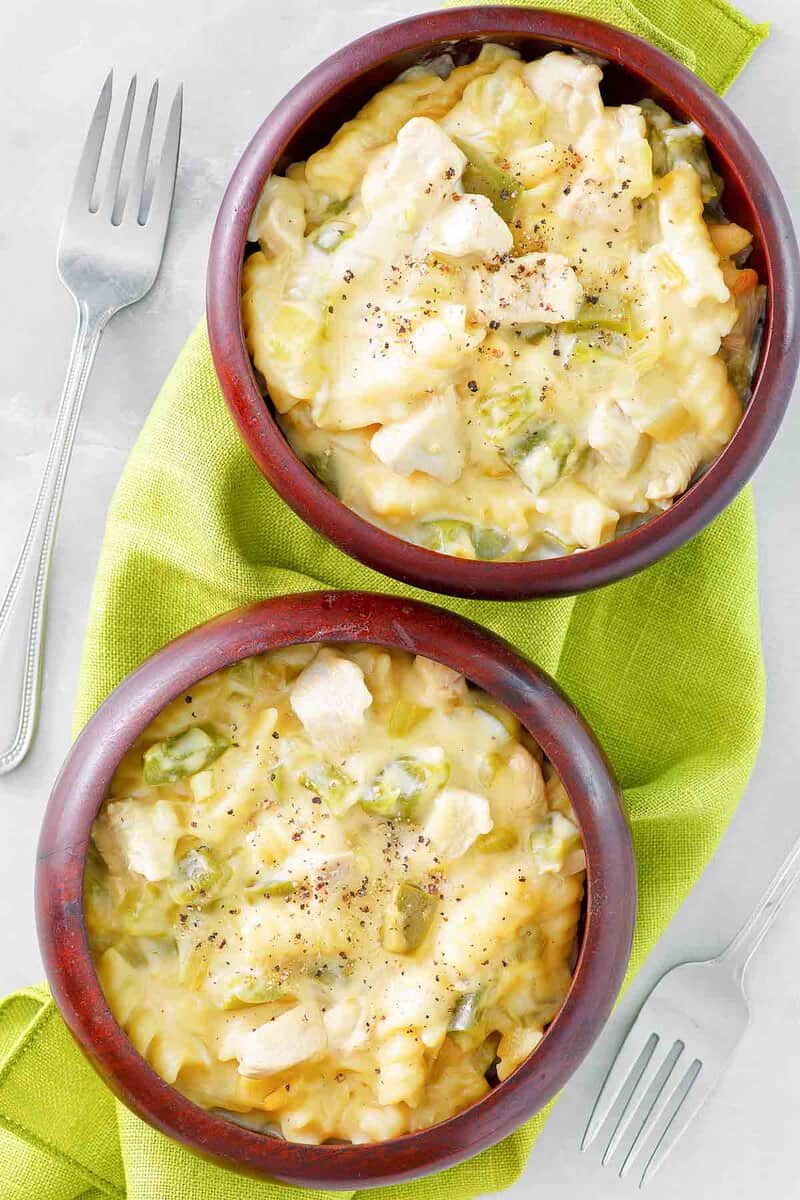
{"x": 236, "y": 60}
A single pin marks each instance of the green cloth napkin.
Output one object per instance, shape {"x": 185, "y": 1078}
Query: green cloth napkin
{"x": 666, "y": 667}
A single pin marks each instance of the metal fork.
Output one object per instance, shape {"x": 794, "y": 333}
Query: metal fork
{"x": 109, "y": 254}
{"x": 681, "y": 1043}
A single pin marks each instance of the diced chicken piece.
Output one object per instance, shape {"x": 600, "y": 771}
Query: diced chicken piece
{"x": 414, "y": 173}
{"x": 330, "y": 698}
{"x": 439, "y": 684}
{"x": 431, "y": 439}
{"x": 616, "y": 440}
{"x": 576, "y": 515}
{"x": 534, "y": 287}
{"x": 570, "y": 87}
{"x": 142, "y": 835}
{"x": 468, "y": 224}
{"x": 457, "y": 818}
{"x": 279, "y": 219}
{"x": 291, "y": 1038}
{"x": 345, "y": 1025}
{"x": 617, "y": 170}
{"x": 527, "y": 796}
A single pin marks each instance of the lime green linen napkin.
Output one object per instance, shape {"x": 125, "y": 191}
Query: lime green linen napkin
{"x": 666, "y": 666}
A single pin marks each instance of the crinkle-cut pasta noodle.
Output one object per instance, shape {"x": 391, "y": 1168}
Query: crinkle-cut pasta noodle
{"x": 337, "y": 169}
{"x": 332, "y": 887}
{"x": 498, "y": 317}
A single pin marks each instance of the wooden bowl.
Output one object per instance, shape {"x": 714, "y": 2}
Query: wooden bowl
{"x": 307, "y": 117}
{"x": 337, "y": 617}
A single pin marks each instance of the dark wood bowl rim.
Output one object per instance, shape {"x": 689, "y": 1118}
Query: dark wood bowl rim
{"x": 413, "y": 564}
{"x": 337, "y": 617}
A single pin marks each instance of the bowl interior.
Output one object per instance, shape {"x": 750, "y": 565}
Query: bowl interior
{"x": 338, "y": 617}
{"x": 622, "y": 84}
{"x": 316, "y": 108}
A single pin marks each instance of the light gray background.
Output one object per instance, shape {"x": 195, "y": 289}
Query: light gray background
{"x": 236, "y": 58}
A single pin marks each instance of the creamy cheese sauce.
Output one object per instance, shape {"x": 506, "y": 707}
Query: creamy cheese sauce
{"x": 499, "y": 318}
{"x": 331, "y": 889}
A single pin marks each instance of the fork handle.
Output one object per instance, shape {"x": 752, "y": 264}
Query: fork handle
{"x": 23, "y": 609}
{"x": 748, "y": 939}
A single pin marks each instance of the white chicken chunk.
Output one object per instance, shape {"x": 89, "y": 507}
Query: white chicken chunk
{"x": 293, "y": 1037}
{"x": 144, "y": 835}
{"x": 615, "y": 438}
{"x": 431, "y": 439}
{"x": 414, "y": 173}
{"x": 279, "y": 218}
{"x": 576, "y": 515}
{"x": 468, "y": 224}
{"x": 457, "y": 818}
{"x": 330, "y": 698}
{"x": 346, "y": 1024}
{"x": 570, "y": 87}
{"x": 525, "y": 796}
{"x": 438, "y": 684}
{"x": 533, "y": 287}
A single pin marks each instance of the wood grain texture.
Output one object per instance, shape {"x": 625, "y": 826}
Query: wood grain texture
{"x": 607, "y": 927}
{"x": 307, "y": 117}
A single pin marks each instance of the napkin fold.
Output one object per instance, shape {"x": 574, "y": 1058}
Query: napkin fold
{"x": 666, "y": 667}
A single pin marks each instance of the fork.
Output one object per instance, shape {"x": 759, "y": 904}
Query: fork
{"x": 681, "y": 1042}
{"x": 109, "y": 254}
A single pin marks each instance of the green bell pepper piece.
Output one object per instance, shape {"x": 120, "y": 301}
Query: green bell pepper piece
{"x": 486, "y": 177}
{"x": 408, "y": 918}
{"x": 182, "y": 755}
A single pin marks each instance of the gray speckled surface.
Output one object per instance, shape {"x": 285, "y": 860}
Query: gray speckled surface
{"x": 237, "y": 58}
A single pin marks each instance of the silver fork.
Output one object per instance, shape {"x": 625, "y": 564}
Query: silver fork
{"x": 681, "y": 1042}
{"x": 108, "y": 257}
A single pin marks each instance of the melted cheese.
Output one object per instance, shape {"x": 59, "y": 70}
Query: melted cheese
{"x": 581, "y": 294}
{"x": 238, "y": 915}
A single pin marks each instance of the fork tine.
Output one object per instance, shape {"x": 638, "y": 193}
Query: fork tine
{"x": 659, "y": 1065}
{"x": 669, "y": 1082}
{"x": 633, "y": 1050}
{"x": 118, "y": 154}
{"x": 90, "y": 155}
{"x": 681, "y": 1118}
{"x": 161, "y": 204}
{"x": 133, "y": 202}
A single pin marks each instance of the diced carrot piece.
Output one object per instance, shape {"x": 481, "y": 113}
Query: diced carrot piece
{"x": 744, "y": 281}
{"x": 737, "y": 280}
